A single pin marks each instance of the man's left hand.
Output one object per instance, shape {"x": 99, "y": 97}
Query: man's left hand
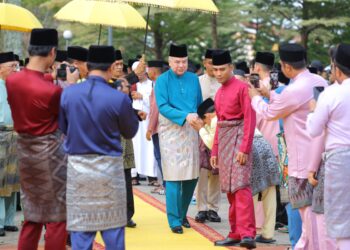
{"x": 242, "y": 158}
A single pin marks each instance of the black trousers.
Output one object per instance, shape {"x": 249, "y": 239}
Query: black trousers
{"x": 129, "y": 194}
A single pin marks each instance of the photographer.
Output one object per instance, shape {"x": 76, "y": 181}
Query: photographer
{"x": 77, "y": 57}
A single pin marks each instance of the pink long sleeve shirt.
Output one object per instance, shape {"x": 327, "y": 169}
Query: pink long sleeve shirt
{"x": 292, "y": 105}
{"x": 333, "y": 114}
{"x": 153, "y": 114}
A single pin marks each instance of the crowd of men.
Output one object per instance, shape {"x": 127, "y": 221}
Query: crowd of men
{"x": 270, "y": 132}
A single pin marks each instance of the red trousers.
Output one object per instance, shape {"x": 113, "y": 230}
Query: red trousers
{"x": 55, "y": 236}
{"x": 241, "y": 214}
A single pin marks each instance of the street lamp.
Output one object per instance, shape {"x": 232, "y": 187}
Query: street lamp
{"x": 67, "y": 35}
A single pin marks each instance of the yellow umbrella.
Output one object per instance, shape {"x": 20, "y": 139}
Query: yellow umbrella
{"x": 188, "y": 5}
{"x": 16, "y": 18}
{"x": 114, "y": 14}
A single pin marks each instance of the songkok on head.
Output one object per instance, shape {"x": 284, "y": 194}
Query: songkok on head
{"x": 16, "y": 57}
{"x": 131, "y": 62}
{"x": 7, "y": 57}
{"x": 342, "y": 55}
{"x": 317, "y": 65}
{"x": 118, "y": 55}
{"x": 292, "y": 52}
{"x": 78, "y": 53}
{"x": 221, "y": 57}
{"x": 155, "y": 64}
{"x": 204, "y": 107}
{"x": 265, "y": 58}
{"x": 209, "y": 54}
{"x": 101, "y": 54}
{"x": 61, "y": 55}
{"x": 178, "y": 50}
{"x": 243, "y": 66}
{"x": 312, "y": 70}
{"x": 44, "y": 37}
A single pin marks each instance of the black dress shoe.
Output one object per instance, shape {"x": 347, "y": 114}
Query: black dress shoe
{"x": 177, "y": 230}
{"x": 261, "y": 239}
{"x": 201, "y": 216}
{"x": 11, "y": 228}
{"x": 248, "y": 242}
{"x": 213, "y": 216}
{"x": 227, "y": 242}
{"x": 2, "y": 232}
{"x": 131, "y": 224}
{"x": 185, "y": 223}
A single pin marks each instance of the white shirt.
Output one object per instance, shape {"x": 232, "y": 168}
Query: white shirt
{"x": 145, "y": 89}
{"x": 333, "y": 114}
{"x": 209, "y": 86}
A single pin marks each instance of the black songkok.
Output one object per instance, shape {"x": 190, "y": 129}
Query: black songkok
{"x": 243, "y": 66}
{"x": 131, "y": 62}
{"x": 78, "y": 53}
{"x": 292, "y": 52}
{"x": 178, "y": 50}
{"x": 155, "y": 64}
{"x": 44, "y": 37}
{"x": 204, "y": 107}
{"x": 61, "y": 56}
{"x": 221, "y": 57}
{"x": 7, "y": 57}
{"x": 209, "y": 54}
{"x": 313, "y": 70}
{"x": 342, "y": 55}
{"x": 118, "y": 55}
{"x": 101, "y": 54}
{"x": 265, "y": 58}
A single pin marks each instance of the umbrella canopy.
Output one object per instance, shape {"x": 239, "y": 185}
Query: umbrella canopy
{"x": 16, "y": 18}
{"x": 190, "y": 5}
{"x": 114, "y": 14}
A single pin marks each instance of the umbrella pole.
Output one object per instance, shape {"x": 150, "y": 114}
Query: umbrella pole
{"x": 99, "y": 35}
{"x": 144, "y": 48}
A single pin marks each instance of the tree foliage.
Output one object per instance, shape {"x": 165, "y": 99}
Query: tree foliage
{"x": 242, "y": 26}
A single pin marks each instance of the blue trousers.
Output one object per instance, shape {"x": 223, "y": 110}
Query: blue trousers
{"x": 294, "y": 224}
{"x": 8, "y": 210}
{"x": 178, "y": 198}
{"x": 156, "y": 150}
{"x": 114, "y": 239}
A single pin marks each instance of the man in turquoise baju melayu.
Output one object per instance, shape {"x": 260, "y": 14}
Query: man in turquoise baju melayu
{"x": 178, "y": 95}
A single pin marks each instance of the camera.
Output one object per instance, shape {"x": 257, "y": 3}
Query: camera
{"x": 62, "y": 73}
{"x": 117, "y": 85}
{"x": 254, "y": 79}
